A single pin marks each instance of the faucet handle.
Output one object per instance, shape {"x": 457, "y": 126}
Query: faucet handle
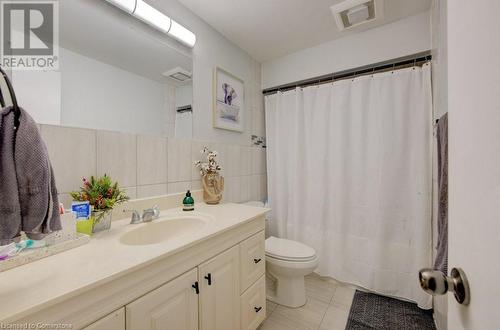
{"x": 156, "y": 212}
{"x": 136, "y": 217}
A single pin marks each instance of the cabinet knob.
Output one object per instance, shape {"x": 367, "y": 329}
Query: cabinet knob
{"x": 208, "y": 277}
{"x": 196, "y": 287}
{"x": 257, "y": 309}
{"x": 257, "y": 260}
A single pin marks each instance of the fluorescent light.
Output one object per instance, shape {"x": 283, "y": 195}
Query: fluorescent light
{"x": 126, "y": 5}
{"x": 152, "y": 16}
{"x": 182, "y": 34}
{"x": 156, "y": 19}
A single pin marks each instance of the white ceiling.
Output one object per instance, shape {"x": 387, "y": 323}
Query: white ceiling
{"x": 268, "y": 29}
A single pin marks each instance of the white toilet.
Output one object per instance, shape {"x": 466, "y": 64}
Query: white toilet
{"x": 287, "y": 262}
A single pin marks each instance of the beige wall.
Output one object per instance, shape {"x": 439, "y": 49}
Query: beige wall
{"x": 149, "y": 165}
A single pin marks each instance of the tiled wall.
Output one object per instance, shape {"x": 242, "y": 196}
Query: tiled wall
{"x": 150, "y": 165}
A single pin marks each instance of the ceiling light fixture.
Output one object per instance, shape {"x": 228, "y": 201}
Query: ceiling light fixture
{"x": 156, "y": 19}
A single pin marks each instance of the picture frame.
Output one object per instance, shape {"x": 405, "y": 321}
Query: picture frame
{"x": 228, "y": 101}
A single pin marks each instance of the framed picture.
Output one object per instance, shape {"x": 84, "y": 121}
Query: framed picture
{"x": 229, "y": 105}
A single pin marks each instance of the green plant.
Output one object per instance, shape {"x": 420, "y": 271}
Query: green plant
{"x": 102, "y": 193}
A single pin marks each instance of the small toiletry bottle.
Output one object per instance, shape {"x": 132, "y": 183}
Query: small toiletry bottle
{"x": 188, "y": 202}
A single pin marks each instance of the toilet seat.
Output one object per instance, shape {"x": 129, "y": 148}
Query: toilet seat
{"x": 287, "y": 250}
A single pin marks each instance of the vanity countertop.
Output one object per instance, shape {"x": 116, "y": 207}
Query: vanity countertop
{"x": 31, "y": 287}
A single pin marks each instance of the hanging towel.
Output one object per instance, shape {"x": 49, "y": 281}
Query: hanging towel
{"x": 28, "y": 193}
{"x": 441, "y": 262}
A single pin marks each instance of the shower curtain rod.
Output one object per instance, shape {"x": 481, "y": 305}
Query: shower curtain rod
{"x": 394, "y": 64}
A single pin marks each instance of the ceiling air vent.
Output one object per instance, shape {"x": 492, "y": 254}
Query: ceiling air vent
{"x": 351, "y": 13}
{"x": 178, "y": 74}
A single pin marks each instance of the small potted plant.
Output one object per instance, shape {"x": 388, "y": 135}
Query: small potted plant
{"x": 213, "y": 183}
{"x": 103, "y": 195}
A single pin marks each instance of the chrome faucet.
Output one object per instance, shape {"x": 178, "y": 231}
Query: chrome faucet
{"x": 151, "y": 214}
{"x": 136, "y": 217}
{"x": 148, "y": 215}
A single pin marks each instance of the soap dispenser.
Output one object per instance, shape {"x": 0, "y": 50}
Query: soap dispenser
{"x": 188, "y": 202}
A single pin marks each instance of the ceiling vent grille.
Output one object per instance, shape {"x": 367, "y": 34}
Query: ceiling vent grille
{"x": 351, "y": 13}
{"x": 178, "y": 74}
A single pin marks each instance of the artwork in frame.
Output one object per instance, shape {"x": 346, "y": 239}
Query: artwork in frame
{"x": 229, "y": 105}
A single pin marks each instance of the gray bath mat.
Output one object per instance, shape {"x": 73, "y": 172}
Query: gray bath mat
{"x": 372, "y": 311}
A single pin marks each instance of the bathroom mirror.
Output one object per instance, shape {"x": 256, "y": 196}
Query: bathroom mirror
{"x": 115, "y": 73}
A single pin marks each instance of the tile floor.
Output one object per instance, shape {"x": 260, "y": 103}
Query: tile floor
{"x": 327, "y": 308}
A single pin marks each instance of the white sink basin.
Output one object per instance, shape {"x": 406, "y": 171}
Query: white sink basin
{"x": 164, "y": 229}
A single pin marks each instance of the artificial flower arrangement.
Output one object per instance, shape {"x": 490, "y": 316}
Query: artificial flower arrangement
{"x": 213, "y": 183}
{"x": 211, "y": 165}
{"x": 103, "y": 195}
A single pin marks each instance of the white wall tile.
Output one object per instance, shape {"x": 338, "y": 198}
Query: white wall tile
{"x": 196, "y": 185}
{"x": 151, "y": 160}
{"x": 179, "y": 160}
{"x": 233, "y": 160}
{"x": 221, "y": 149}
{"x": 255, "y": 191}
{"x": 263, "y": 187}
{"x": 130, "y": 192}
{"x": 152, "y": 190}
{"x": 196, "y": 148}
{"x": 258, "y": 160}
{"x": 178, "y": 187}
{"x": 246, "y": 161}
{"x": 72, "y": 152}
{"x": 232, "y": 189}
{"x": 117, "y": 157}
{"x": 245, "y": 188}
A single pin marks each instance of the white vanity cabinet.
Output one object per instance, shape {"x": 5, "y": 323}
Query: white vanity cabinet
{"x": 172, "y": 306}
{"x": 219, "y": 300}
{"x": 113, "y": 321}
{"x": 252, "y": 259}
{"x": 220, "y": 291}
{"x": 217, "y": 283}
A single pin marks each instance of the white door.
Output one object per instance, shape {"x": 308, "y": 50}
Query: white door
{"x": 220, "y": 292}
{"x": 173, "y": 306}
{"x": 474, "y": 159}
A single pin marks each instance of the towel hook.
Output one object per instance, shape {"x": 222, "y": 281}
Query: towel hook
{"x": 17, "y": 111}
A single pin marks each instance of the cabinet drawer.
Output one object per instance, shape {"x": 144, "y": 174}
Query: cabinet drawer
{"x": 253, "y": 305}
{"x": 252, "y": 259}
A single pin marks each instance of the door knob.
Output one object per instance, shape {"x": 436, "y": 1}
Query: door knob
{"x": 435, "y": 283}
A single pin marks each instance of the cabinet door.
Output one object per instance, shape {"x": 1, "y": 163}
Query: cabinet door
{"x": 253, "y": 305}
{"x": 252, "y": 259}
{"x": 171, "y": 306}
{"x": 220, "y": 292}
{"x": 113, "y": 321}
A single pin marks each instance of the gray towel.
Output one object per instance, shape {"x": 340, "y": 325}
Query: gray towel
{"x": 441, "y": 262}
{"x": 28, "y": 193}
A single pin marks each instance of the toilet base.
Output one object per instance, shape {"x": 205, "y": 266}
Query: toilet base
{"x": 289, "y": 292}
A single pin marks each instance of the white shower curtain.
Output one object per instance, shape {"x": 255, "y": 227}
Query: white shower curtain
{"x": 349, "y": 173}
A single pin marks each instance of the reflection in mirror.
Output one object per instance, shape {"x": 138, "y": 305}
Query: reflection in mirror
{"x": 115, "y": 73}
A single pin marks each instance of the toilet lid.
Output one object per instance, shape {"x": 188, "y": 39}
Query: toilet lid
{"x": 288, "y": 250}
